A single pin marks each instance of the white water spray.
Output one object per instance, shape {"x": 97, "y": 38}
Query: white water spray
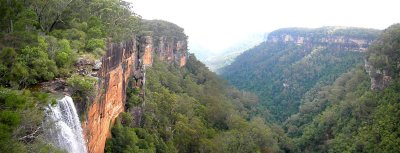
{"x": 65, "y": 128}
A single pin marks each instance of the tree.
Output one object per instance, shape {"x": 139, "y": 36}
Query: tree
{"x": 65, "y": 57}
{"x": 50, "y": 13}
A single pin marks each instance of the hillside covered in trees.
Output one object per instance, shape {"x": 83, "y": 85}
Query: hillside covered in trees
{"x": 192, "y": 110}
{"x": 58, "y": 43}
{"x": 327, "y": 100}
{"x": 42, "y": 42}
{"x": 294, "y": 60}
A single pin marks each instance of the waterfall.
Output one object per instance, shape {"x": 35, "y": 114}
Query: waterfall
{"x": 64, "y": 127}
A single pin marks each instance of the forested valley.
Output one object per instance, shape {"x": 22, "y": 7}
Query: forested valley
{"x": 328, "y": 96}
{"x": 94, "y": 76}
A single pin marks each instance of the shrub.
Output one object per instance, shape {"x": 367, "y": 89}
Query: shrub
{"x": 65, "y": 57}
{"x": 82, "y": 85}
{"x": 92, "y": 44}
{"x": 83, "y": 89}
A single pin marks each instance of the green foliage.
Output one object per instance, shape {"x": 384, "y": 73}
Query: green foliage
{"x": 83, "y": 90}
{"x": 40, "y": 67}
{"x": 93, "y": 44}
{"x": 127, "y": 139}
{"x": 360, "y": 121}
{"x": 96, "y": 29}
{"x": 40, "y": 40}
{"x": 160, "y": 28}
{"x": 348, "y": 116}
{"x": 384, "y": 53}
{"x": 190, "y": 109}
{"x": 132, "y": 96}
{"x": 382, "y": 134}
{"x": 337, "y": 111}
{"x": 9, "y": 11}
{"x": 20, "y": 116}
{"x": 65, "y": 57}
{"x": 77, "y": 37}
{"x": 280, "y": 74}
{"x": 33, "y": 56}
{"x": 28, "y": 66}
{"x": 82, "y": 85}
{"x": 26, "y": 20}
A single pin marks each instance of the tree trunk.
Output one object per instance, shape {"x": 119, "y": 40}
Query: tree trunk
{"x": 11, "y": 26}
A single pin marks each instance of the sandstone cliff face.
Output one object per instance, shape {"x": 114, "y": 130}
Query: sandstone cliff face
{"x": 342, "y": 40}
{"x": 172, "y": 50}
{"x": 118, "y": 65}
{"x": 122, "y": 61}
{"x": 347, "y": 43}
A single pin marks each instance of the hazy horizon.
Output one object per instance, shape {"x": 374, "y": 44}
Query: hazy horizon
{"x": 216, "y": 25}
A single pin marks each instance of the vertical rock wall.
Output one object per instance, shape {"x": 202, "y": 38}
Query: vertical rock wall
{"x": 122, "y": 61}
{"x": 171, "y": 50}
{"x": 117, "y": 66}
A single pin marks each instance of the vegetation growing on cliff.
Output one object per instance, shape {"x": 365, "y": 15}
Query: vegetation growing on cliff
{"x": 159, "y": 28}
{"x": 41, "y": 41}
{"x": 310, "y": 98}
{"x": 348, "y": 117}
{"x": 281, "y": 73}
{"x": 341, "y": 113}
{"x": 191, "y": 110}
{"x": 20, "y": 121}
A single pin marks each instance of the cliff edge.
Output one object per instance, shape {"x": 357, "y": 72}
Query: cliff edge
{"x": 122, "y": 61}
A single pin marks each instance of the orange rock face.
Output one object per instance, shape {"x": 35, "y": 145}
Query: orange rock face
{"x": 182, "y": 61}
{"x": 148, "y": 51}
{"x": 123, "y": 60}
{"x": 147, "y": 58}
{"x": 117, "y": 66}
{"x": 171, "y": 50}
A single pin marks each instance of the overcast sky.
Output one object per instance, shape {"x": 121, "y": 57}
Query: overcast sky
{"x": 217, "y": 24}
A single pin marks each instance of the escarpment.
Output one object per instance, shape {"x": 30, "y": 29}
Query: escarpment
{"x": 122, "y": 61}
{"x": 382, "y": 58}
{"x": 295, "y": 60}
{"x": 342, "y": 38}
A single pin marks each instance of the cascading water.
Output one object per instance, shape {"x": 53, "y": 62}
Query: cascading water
{"x": 64, "y": 127}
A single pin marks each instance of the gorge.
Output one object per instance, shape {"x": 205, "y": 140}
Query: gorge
{"x": 293, "y": 60}
{"x": 324, "y": 85}
{"x": 92, "y": 76}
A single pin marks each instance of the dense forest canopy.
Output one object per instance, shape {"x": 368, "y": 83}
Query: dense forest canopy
{"x": 192, "y": 110}
{"x": 188, "y": 109}
{"x": 41, "y": 40}
{"x": 336, "y": 109}
{"x": 280, "y": 73}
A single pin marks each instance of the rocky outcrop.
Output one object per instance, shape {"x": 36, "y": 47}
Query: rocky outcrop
{"x": 382, "y": 61}
{"x": 122, "y": 61}
{"x": 380, "y": 79}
